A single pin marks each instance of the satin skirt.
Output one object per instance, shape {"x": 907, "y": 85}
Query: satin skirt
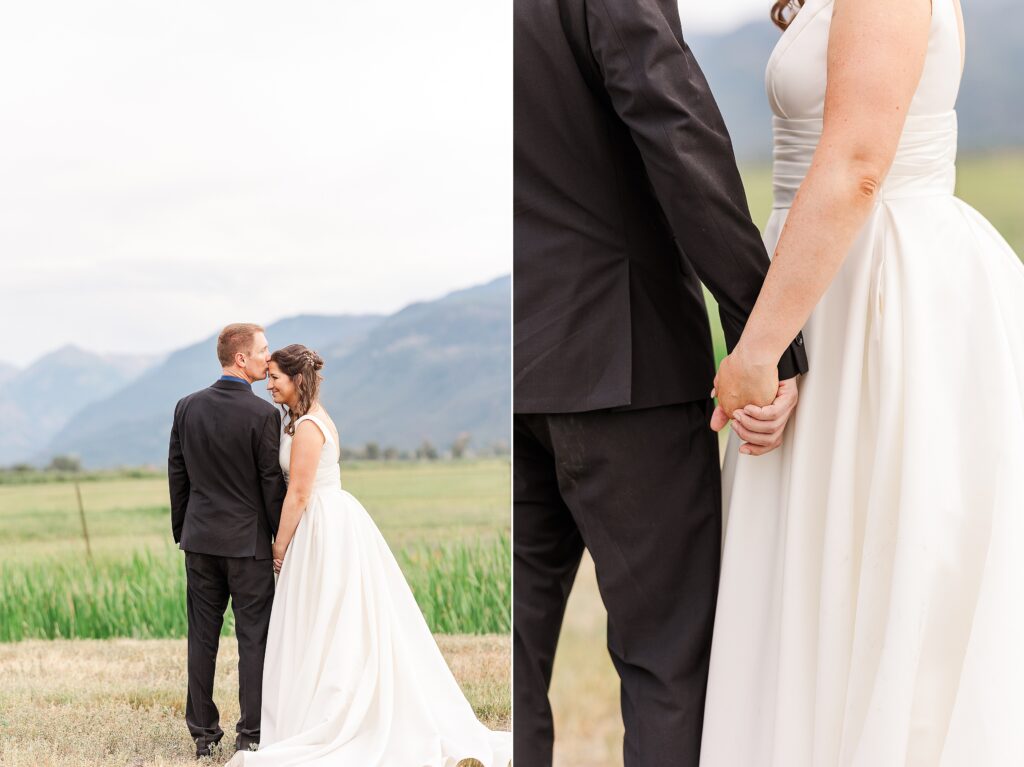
{"x": 353, "y": 675}
{"x": 871, "y": 608}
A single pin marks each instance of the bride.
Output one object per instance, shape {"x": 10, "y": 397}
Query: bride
{"x": 352, "y": 673}
{"x": 871, "y": 608}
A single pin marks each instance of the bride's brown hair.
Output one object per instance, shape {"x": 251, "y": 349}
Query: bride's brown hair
{"x": 302, "y": 365}
{"x": 779, "y": 15}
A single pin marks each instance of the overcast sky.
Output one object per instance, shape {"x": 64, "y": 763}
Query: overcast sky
{"x": 721, "y": 15}
{"x": 169, "y": 167}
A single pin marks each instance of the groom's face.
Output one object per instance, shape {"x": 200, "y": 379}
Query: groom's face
{"x": 255, "y": 362}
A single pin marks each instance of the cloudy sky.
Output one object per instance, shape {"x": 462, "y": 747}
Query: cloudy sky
{"x": 721, "y": 15}
{"x": 170, "y": 167}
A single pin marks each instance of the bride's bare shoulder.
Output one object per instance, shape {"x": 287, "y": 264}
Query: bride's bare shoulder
{"x": 321, "y": 412}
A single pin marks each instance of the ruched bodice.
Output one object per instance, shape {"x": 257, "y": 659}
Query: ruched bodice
{"x": 796, "y": 81}
{"x": 925, "y": 163}
{"x": 328, "y": 471}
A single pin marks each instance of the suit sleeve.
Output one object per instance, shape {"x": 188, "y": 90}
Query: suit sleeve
{"x": 269, "y": 464}
{"x": 177, "y": 479}
{"x": 659, "y": 92}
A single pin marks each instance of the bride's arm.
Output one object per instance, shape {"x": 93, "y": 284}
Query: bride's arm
{"x": 876, "y": 55}
{"x": 305, "y": 456}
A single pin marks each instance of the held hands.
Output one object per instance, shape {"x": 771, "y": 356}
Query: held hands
{"x": 759, "y": 404}
{"x": 278, "y": 551}
{"x": 761, "y": 428}
{"x": 743, "y": 381}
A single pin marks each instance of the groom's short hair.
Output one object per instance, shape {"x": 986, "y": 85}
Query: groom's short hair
{"x": 236, "y": 338}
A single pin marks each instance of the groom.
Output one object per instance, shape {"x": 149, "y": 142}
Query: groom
{"x": 226, "y": 495}
{"x": 626, "y": 195}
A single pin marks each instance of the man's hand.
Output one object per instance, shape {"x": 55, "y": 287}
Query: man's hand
{"x": 741, "y": 382}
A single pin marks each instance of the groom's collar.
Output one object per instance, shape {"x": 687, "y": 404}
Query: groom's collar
{"x": 230, "y": 382}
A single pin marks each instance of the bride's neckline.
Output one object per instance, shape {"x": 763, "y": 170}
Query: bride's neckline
{"x": 799, "y": 20}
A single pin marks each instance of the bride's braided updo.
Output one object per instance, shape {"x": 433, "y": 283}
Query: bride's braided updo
{"x": 302, "y": 365}
{"x": 779, "y": 15}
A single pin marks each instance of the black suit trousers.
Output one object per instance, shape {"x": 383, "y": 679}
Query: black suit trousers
{"x": 641, "y": 491}
{"x": 249, "y": 582}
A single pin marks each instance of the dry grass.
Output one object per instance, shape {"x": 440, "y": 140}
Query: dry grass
{"x": 118, "y": 703}
{"x": 585, "y": 687}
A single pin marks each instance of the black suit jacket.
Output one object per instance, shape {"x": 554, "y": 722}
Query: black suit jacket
{"x": 626, "y": 196}
{"x": 224, "y": 472}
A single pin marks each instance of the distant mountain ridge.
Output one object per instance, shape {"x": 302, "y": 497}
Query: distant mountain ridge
{"x": 131, "y": 426}
{"x": 990, "y": 107}
{"x": 434, "y": 370}
{"x": 37, "y": 401}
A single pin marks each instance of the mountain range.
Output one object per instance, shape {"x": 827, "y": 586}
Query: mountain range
{"x": 990, "y": 107}
{"x": 432, "y": 371}
{"x": 37, "y": 401}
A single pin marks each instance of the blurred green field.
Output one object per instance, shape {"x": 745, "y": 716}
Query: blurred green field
{"x": 412, "y": 503}
{"x": 448, "y": 523}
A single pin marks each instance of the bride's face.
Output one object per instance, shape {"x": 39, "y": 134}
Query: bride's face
{"x": 280, "y": 386}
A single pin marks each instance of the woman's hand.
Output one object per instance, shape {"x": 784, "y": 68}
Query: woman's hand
{"x": 741, "y": 381}
{"x": 279, "y": 549}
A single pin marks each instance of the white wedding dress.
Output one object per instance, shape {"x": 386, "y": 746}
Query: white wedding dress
{"x": 871, "y": 608}
{"x": 353, "y": 676}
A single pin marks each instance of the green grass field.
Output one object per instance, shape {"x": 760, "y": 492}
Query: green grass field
{"x": 411, "y": 502}
{"x": 448, "y": 523}
{"x": 116, "y": 701}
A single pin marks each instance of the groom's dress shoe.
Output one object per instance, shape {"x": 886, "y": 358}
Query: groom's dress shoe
{"x": 206, "y": 749}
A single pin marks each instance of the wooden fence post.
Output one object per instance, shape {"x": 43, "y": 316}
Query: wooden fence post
{"x": 81, "y": 513}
